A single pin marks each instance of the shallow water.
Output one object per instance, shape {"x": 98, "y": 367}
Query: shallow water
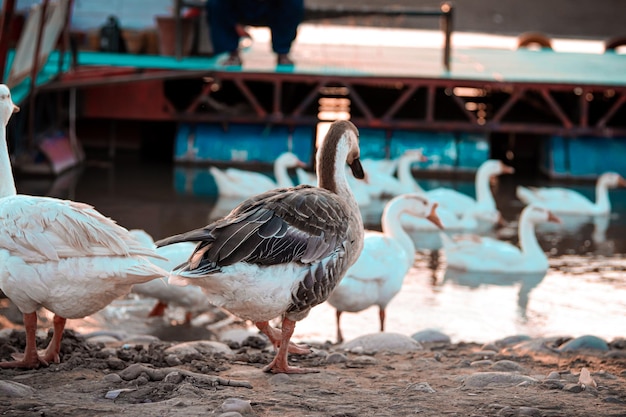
{"x": 584, "y": 292}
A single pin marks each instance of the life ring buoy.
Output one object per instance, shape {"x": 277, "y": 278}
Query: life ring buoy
{"x": 530, "y": 39}
{"x": 613, "y": 43}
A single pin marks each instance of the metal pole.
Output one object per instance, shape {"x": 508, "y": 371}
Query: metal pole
{"x": 446, "y": 26}
{"x": 5, "y": 28}
{"x": 33, "y": 77}
{"x": 178, "y": 29}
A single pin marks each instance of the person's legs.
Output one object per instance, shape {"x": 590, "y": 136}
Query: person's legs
{"x": 283, "y": 22}
{"x": 222, "y": 19}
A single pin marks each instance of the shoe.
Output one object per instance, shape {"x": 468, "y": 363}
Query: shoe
{"x": 233, "y": 60}
{"x": 283, "y": 59}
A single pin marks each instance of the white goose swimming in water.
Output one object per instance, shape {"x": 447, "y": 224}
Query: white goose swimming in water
{"x": 282, "y": 252}
{"x": 480, "y": 253}
{"x": 241, "y": 183}
{"x": 387, "y": 256}
{"x": 483, "y": 208}
{"x": 565, "y": 201}
{"x": 61, "y": 255}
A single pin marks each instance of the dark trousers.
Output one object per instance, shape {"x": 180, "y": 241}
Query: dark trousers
{"x": 281, "y": 16}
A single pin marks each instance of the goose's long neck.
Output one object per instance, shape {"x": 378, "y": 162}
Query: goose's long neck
{"x": 528, "y": 240}
{"x": 392, "y": 227}
{"x": 406, "y": 177}
{"x": 483, "y": 190}
{"x": 603, "y": 203}
{"x": 282, "y": 176}
{"x": 7, "y": 182}
{"x": 331, "y": 173}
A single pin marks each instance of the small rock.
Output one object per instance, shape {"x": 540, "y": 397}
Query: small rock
{"x": 172, "y": 360}
{"x": 540, "y": 345}
{"x": 421, "y": 387}
{"x": 15, "y": 389}
{"x": 389, "y": 342}
{"x": 116, "y": 364}
{"x": 482, "y": 363}
{"x": 552, "y": 384}
{"x": 173, "y": 378}
{"x": 575, "y": 388}
{"x": 336, "y": 357}
{"x": 490, "y": 346}
{"x": 142, "y": 380}
{"x": 484, "y": 379}
{"x": 507, "y": 366}
{"x": 584, "y": 342}
{"x": 485, "y": 354}
{"x": 200, "y": 346}
{"x": 554, "y": 375}
{"x": 236, "y": 405}
{"x": 431, "y": 336}
{"x": 604, "y": 375}
{"x": 279, "y": 379}
{"x": 230, "y": 414}
{"x": 618, "y": 343}
{"x": 512, "y": 340}
{"x": 361, "y": 361}
{"x": 614, "y": 400}
{"x": 320, "y": 353}
{"x": 112, "y": 378}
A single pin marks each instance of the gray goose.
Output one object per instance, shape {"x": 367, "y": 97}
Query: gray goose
{"x": 282, "y": 252}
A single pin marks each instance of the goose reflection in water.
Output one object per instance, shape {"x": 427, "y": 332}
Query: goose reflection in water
{"x": 588, "y": 231}
{"x": 526, "y": 281}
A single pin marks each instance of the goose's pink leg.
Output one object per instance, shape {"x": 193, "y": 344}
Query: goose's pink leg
{"x": 31, "y": 358}
{"x": 280, "y": 365}
{"x": 275, "y": 337}
{"x": 339, "y": 334}
{"x": 54, "y": 347}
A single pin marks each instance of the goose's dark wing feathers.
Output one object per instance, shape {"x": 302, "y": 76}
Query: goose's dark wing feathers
{"x": 302, "y": 224}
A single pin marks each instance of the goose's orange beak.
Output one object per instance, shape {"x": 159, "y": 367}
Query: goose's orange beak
{"x": 433, "y": 218}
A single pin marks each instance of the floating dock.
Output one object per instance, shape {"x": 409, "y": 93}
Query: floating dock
{"x": 388, "y": 81}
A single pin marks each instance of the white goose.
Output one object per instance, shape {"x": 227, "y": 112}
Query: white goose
{"x": 377, "y": 275}
{"x": 381, "y": 182}
{"x": 384, "y": 166}
{"x": 479, "y": 253}
{"x": 190, "y": 298}
{"x": 483, "y": 208}
{"x": 61, "y": 255}
{"x": 241, "y": 183}
{"x": 566, "y": 201}
{"x": 280, "y": 253}
{"x": 415, "y": 224}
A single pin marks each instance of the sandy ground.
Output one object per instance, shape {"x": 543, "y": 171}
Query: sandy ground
{"x": 144, "y": 377}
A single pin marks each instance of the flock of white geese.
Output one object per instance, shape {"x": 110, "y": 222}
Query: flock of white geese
{"x": 283, "y": 250}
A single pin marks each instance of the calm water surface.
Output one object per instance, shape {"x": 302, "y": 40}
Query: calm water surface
{"x": 584, "y": 292}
